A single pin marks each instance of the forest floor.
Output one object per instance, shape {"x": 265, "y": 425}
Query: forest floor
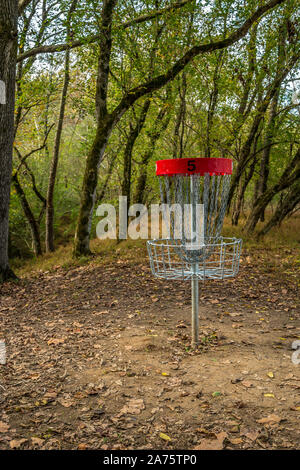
{"x": 99, "y": 358}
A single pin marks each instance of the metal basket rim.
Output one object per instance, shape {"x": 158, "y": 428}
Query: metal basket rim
{"x": 159, "y": 242}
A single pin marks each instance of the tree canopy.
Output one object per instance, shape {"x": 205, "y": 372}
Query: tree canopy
{"x": 103, "y": 89}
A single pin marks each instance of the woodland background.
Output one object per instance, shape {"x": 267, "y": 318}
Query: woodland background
{"x": 237, "y": 102}
{"x": 98, "y": 350}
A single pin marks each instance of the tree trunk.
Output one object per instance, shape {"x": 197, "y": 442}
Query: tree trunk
{"x": 283, "y": 209}
{"x": 54, "y": 162}
{"x": 244, "y": 107}
{"x": 82, "y": 234}
{"x": 106, "y": 121}
{"x": 241, "y": 195}
{"x": 265, "y": 161}
{"x": 159, "y": 126}
{"x": 213, "y": 98}
{"x": 102, "y": 192}
{"x": 105, "y": 124}
{"x": 133, "y": 135}
{"x": 35, "y": 231}
{"x": 33, "y": 222}
{"x": 264, "y": 166}
{"x": 8, "y": 56}
{"x": 288, "y": 177}
{"x": 180, "y": 120}
{"x": 283, "y": 69}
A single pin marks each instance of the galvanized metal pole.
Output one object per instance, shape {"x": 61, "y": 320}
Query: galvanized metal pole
{"x": 195, "y": 282}
{"x": 195, "y": 307}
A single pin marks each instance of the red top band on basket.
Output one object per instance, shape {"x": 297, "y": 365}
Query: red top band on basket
{"x": 191, "y": 166}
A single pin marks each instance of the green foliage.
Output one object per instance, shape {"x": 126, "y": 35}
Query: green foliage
{"x": 140, "y": 52}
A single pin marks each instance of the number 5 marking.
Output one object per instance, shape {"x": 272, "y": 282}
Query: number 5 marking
{"x": 191, "y": 165}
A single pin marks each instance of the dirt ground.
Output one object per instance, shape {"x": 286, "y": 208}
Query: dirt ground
{"x": 99, "y": 358}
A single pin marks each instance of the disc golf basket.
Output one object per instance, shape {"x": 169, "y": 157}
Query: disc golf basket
{"x": 194, "y": 193}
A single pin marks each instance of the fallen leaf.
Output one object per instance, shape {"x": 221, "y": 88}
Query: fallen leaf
{"x": 236, "y": 441}
{"x": 269, "y": 419}
{"x": 50, "y": 394}
{"x": 37, "y": 441}
{"x": 56, "y": 341}
{"x": 164, "y": 436}
{"x": 65, "y": 403}
{"x": 212, "y": 444}
{"x": 252, "y": 435}
{"x": 82, "y": 446}
{"x": 16, "y": 443}
{"x": 134, "y": 406}
{"x": 271, "y": 375}
{"x": 3, "y": 427}
{"x": 235, "y": 429}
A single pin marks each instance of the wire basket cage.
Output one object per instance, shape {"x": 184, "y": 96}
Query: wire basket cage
{"x": 189, "y": 191}
{"x": 209, "y": 190}
{"x": 198, "y": 251}
{"x": 220, "y": 259}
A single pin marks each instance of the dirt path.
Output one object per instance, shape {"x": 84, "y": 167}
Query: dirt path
{"x": 99, "y": 358}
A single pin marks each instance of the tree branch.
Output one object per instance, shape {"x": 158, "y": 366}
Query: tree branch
{"x": 34, "y": 186}
{"x": 89, "y": 40}
{"x": 22, "y": 5}
{"x": 161, "y": 80}
{"x": 24, "y": 158}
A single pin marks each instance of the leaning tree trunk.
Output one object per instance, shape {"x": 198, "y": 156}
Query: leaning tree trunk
{"x": 33, "y": 224}
{"x": 101, "y": 194}
{"x": 287, "y": 179}
{"x": 265, "y": 161}
{"x": 8, "y": 55}
{"x": 243, "y": 186}
{"x": 241, "y": 195}
{"x": 283, "y": 209}
{"x": 245, "y": 154}
{"x": 82, "y": 235}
